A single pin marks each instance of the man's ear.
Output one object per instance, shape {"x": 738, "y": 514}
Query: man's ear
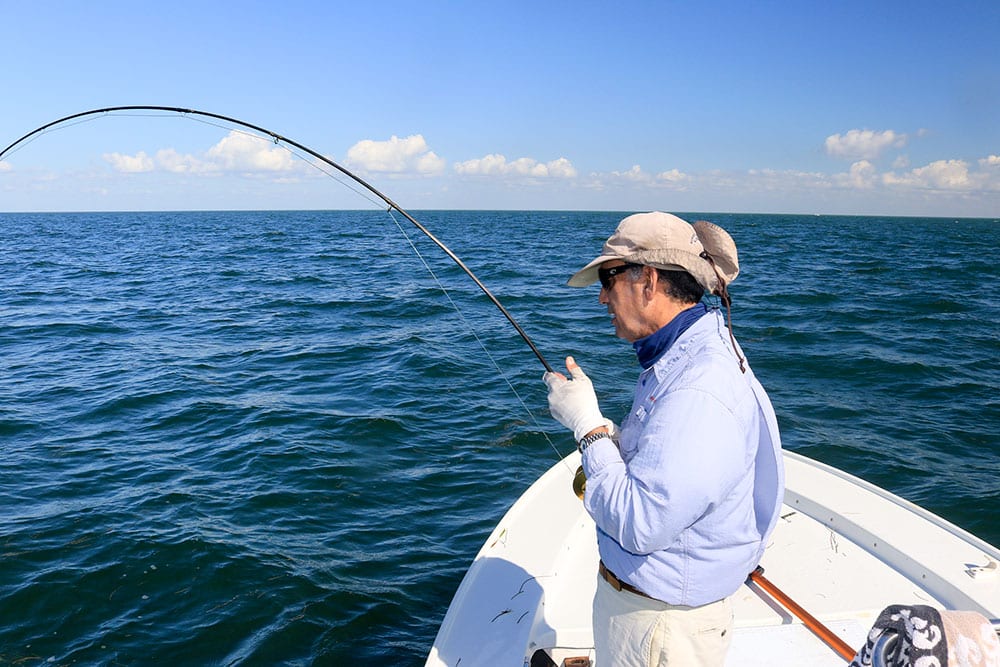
{"x": 650, "y": 280}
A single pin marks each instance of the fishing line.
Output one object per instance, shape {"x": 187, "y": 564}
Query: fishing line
{"x": 472, "y": 330}
{"x": 416, "y": 251}
{"x": 285, "y": 143}
{"x": 277, "y": 138}
{"x": 444, "y": 290}
{"x": 296, "y": 155}
{"x": 29, "y": 139}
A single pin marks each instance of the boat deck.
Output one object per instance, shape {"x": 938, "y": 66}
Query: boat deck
{"x": 843, "y": 550}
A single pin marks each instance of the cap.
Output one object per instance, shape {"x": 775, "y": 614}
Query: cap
{"x": 665, "y": 241}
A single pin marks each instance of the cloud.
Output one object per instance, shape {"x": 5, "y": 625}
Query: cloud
{"x": 490, "y": 165}
{"x": 946, "y": 175}
{"x": 497, "y": 165}
{"x": 170, "y": 160}
{"x": 939, "y": 175}
{"x": 863, "y": 144}
{"x": 672, "y": 177}
{"x": 634, "y": 175}
{"x": 560, "y": 168}
{"x": 396, "y": 156}
{"x": 5, "y": 166}
{"x": 862, "y": 175}
{"x": 239, "y": 151}
{"x": 236, "y": 152}
{"x": 130, "y": 164}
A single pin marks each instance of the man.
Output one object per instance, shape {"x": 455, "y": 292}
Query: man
{"x": 686, "y": 494}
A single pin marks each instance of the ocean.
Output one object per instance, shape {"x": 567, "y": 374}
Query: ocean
{"x": 262, "y": 438}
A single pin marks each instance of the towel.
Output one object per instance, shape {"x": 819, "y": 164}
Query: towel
{"x": 971, "y": 639}
{"x": 922, "y": 636}
{"x": 905, "y": 636}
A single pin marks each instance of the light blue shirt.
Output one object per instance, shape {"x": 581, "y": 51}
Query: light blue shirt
{"x": 685, "y": 503}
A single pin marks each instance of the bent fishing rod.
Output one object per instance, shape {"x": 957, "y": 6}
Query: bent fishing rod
{"x": 278, "y": 139}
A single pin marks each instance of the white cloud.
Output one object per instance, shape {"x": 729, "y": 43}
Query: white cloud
{"x": 490, "y": 165}
{"x": 947, "y": 184}
{"x": 946, "y": 174}
{"x": 525, "y": 166}
{"x": 863, "y": 144}
{"x": 130, "y": 164}
{"x": 170, "y": 160}
{"x": 763, "y": 180}
{"x": 497, "y": 165}
{"x": 674, "y": 177}
{"x": 396, "y": 156}
{"x": 862, "y": 175}
{"x": 560, "y": 168}
{"x": 5, "y": 166}
{"x": 239, "y": 151}
{"x": 633, "y": 175}
{"x": 939, "y": 175}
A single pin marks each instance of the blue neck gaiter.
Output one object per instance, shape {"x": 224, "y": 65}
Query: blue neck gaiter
{"x": 651, "y": 348}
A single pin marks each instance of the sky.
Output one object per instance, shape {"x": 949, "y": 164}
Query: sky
{"x": 847, "y": 108}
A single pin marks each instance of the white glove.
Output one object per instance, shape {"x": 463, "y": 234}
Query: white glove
{"x": 613, "y": 431}
{"x": 573, "y": 402}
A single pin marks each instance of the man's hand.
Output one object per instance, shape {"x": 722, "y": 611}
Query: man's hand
{"x": 573, "y": 403}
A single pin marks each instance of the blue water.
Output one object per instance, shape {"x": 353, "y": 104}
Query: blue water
{"x": 265, "y": 438}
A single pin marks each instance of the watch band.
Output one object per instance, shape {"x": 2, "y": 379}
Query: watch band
{"x": 588, "y": 440}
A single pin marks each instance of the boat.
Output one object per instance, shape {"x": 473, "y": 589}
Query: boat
{"x": 842, "y": 551}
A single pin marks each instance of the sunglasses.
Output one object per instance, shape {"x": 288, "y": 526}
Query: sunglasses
{"x": 605, "y": 275}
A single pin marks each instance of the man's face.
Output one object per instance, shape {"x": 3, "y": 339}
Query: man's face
{"x": 623, "y": 297}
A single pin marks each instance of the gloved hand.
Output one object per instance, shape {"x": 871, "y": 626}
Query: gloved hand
{"x": 573, "y": 402}
{"x": 613, "y": 431}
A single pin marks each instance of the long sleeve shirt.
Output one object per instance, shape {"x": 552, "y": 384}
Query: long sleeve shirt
{"x": 684, "y": 504}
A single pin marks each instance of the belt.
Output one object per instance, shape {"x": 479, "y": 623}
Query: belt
{"x": 617, "y": 583}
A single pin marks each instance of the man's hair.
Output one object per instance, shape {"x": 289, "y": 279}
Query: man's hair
{"x": 679, "y": 285}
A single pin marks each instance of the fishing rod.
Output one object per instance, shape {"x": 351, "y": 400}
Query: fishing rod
{"x": 278, "y": 139}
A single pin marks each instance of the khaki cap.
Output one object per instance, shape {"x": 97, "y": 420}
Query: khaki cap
{"x": 664, "y": 241}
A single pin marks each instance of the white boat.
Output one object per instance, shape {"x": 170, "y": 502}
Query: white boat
{"x": 843, "y": 550}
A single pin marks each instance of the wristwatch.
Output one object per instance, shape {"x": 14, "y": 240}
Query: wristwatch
{"x": 588, "y": 440}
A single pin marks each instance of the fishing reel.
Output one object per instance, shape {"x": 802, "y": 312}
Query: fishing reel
{"x": 579, "y": 482}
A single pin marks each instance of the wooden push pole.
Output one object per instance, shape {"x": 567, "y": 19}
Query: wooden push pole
{"x": 810, "y": 621}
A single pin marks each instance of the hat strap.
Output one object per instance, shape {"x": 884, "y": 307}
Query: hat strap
{"x": 723, "y": 293}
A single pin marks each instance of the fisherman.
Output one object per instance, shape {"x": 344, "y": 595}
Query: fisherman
{"x": 687, "y": 491}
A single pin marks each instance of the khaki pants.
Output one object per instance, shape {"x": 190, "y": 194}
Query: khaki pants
{"x": 634, "y": 631}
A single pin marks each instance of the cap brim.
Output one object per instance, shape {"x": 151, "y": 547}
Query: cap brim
{"x": 588, "y": 274}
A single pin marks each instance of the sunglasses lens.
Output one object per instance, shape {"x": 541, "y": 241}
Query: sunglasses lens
{"x": 605, "y": 275}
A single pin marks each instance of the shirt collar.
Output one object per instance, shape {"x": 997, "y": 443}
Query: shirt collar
{"x": 652, "y": 347}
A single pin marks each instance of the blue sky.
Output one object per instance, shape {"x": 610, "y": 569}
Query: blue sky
{"x": 883, "y": 108}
